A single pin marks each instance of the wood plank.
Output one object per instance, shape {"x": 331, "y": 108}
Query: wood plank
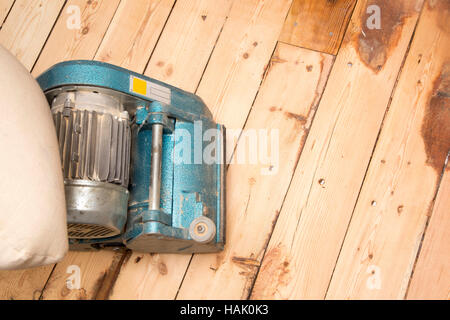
{"x": 149, "y": 276}
{"x": 431, "y": 277}
{"x": 133, "y": 33}
{"x": 230, "y": 81}
{"x": 5, "y": 7}
{"x": 252, "y": 201}
{"x": 71, "y": 43}
{"x": 308, "y": 235}
{"x": 187, "y": 41}
{"x": 27, "y": 27}
{"x": 391, "y": 213}
{"x": 240, "y": 59}
{"x": 318, "y": 25}
{"x": 98, "y": 269}
{"x": 94, "y": 268}
{"x": 24, "y": 284}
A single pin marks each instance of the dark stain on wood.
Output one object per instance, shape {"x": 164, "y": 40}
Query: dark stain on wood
{"x": 436, "y": 123}
{"x": 298, "y": 117}
{"x": 290, "y": 115}
{"x": 105, "y": 283}
{"x": 64, "y": 291}
{"x": 247, "y": 262}
{"x": 250, "y": 267}
{"x": 273, "y": 274}
{"x": 99, "y": 283}
{"x": 169, "y": 70}
{"x": 274, "y": 108}
{"x": 317, "y": 25}
{"x": 79, "y": 294}
{"x": 82, "y": 295}
{"x": 219, "y": 261}
{"x": 276, "y": 59}
{"x": 374, "y": 46}
{"x": 162, "y": 268}
{"x": 322, "y": 182}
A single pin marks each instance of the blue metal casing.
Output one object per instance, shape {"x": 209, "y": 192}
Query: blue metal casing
{"x": 190, "y": 186}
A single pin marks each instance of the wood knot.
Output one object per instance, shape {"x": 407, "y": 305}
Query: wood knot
{"x": 162, "y": 268}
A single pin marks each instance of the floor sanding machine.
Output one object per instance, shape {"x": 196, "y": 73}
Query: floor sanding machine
{"x": 143, "y": 161}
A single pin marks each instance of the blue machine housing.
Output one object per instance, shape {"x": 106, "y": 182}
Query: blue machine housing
{"x": 190, "y": 186}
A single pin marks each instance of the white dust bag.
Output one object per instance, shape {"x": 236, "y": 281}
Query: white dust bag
{"x": 33, "y": 228}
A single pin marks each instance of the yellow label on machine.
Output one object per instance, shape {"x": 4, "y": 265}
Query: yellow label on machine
{"x": 151, "y": 90}
{"x": 139, "y": 86}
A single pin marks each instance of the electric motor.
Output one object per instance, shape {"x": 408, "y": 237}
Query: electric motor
{"x": 94, "y": 139}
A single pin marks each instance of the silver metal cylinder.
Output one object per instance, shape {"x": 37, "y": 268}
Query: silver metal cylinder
{"x": 155, "y": 175}
{"x": 94, "y": 139}
{"x": 96, "y": 209}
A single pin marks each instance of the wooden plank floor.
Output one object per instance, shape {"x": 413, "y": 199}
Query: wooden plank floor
{"x": 356, "y": 205}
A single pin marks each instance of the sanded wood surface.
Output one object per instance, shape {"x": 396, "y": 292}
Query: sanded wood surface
{"x": 317, "y": 25}
{"x": 27, "y": 28}
{"x": 134, "y": 32}
{"x": 95, "y": 268}
{"x": 5, "y": 7}
{"x": 388, "y": 222}
{"x": 68, "y": 40}
{"x": 356, "y": 203}
{"x": 313, "y": 221}
{"x": 25, "y": 284}
{"x": 187, "y": 41}
{"x": 282, "y": 108}
{"x": 431, "y": 278}
{"x": 240, "y": 58}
